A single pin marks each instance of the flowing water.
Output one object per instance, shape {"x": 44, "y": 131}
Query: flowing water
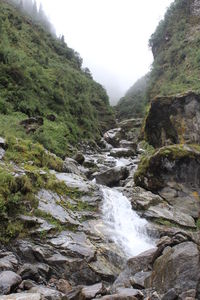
{"x": 125, "y": 227}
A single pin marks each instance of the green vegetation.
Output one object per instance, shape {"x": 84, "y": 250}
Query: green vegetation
{"x": 175, "y": 45}
{"x": 133, "y": 104}
{"x": 41, "y": 76}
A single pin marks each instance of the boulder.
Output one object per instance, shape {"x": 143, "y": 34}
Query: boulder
{"x": 125, "y": 294}
{"x": 71, "y": 166}
{"x": 174, "y": 120}
{"x": 9, "y": 281}
{"x": 63, "y": 286}
{"x": 36, "y": 272}
{"x": 23, "y": 296}
{"x": 47, "y": 293}
{"x": 178, "y": 268}
{"x": 113, "y": 137}
{"x": 79, "y": 158}
{"x": 122, "y": 152}
{"x": 90, "y": 292}
{"x": 32, "y": 124}
{"x": 174, "y": 173}
{"x": 135, "y": 265}
{"x": 112, "y": 176}
{"x": 8, "y": 261}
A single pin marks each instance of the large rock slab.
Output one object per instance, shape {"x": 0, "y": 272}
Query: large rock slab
{"x": 49, "y": 203}
{"x": 174, "y": 120}
{"x": 112, "y": 176}
{"x": 122, "y": 152}
{"x": 23, "y": 296}
{"x": 165, "y": 212}
{"x": 9, "y": 281}
{"x": 178, "y": 267}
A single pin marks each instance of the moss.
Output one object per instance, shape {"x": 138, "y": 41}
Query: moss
{"x": 150, "y": 165}
{"x": 198, "y": 224}
{"x": 24, "y": 151}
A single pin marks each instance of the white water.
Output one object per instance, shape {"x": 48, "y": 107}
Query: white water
{"x": 125, "y": 227}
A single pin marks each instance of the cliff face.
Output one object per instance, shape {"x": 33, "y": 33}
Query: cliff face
{"x": 41, "y": 76}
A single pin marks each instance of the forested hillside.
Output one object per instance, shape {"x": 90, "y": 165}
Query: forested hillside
{"x": 133, "y": 104}
{"x": 40, "y": 76}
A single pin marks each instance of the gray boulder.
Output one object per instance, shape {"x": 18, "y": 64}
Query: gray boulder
{"x": 112, "y": 176}
{"x": 9, "y": 281}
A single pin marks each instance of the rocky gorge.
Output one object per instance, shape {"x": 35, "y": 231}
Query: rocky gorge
{"x": 110, "y": 239}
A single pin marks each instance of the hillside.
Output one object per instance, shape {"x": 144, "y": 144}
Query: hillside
{"x": 40, "y": 76}
{"x": 132, "y": 105}
{"x": 175, "y": 46}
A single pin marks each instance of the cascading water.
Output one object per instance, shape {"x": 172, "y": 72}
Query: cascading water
{"x": 125, "y": 227}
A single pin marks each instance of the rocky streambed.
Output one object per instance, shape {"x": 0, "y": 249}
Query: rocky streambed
{"x": 109, "y": 240}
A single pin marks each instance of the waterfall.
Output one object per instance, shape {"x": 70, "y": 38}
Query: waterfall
{"x": 124, "y": 226}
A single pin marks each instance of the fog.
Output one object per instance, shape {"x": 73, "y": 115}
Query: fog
{"x": 110, "y": 35}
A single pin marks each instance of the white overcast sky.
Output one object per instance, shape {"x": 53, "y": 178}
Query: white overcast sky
{"x": 110, "y": 35}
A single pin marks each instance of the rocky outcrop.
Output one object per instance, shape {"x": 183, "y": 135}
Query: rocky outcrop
{"x": 112, "y": 176}
{"x": 174, "y": 120}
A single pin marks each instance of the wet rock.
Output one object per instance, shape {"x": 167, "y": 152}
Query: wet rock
{"x": 9, "y": 281}
{"x": 113, "y": 137}
{"x": 178, "y": 268}
{"x": 164, "y": 212}
{"x": 138, "y": 280}
{"x": 63, "y": 286}
{"x": 47, "y": 293}
{"x": 32, "y": 124}
{"x": 79, "y": 158}
{"x": 174, "y": 120}
{"x": 134, "y": 265}
{"x": 104, "y": 268}
{"x": 76, "y": 244}
{"x": 122, "y": 152}
{"x": 35, "y": 272}
{"x": 27, "y": 284}
{"x": 90, "y": 292}
{"x": 142, "y": 199}
{"x": 129, "y": 145}
{"x": 125, "y": 294}
{"x": 23, "y": 296}
{"x": 71, "y": 166}
{"x": 49, "y": 203}
{"x": 2, "y": 143}
{"x": 8, "y": 261}
{"x": 75, "y": 181}
{"x": 112, "y": 176}
{"x": 170, "y": 295}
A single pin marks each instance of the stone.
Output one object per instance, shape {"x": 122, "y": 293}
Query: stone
{"x": 9, "y": 281}
{"x": 174, "y": 120}
{"x": 170, "y": 295}
{"x": 32, "y": 124}
{"x": 112, "y": 176}
{"x": 128, "y": 144}
{"x": 2, "y": 143}
{"x": 76, "y": 244}
{"x": 178, "y": 268}
{"x": 79, "y": 157}
{"x": 190, "y": 294}
{"x": 125, "y": 294}
{"x": 34, "y": 271}
{"x": 8, "y": 261}
{"x": 75, "y": 181}
{"x": 63, "y": 286}
{"x": 134, "y": 265}
{"x": 164, "y": 212}
{"x": 47, "y": 293}
{"x": 113, "y": 137}
{"x": 70, "y": 166}
{"x": 90, "y": 292}
{"x": 138, "y": 280}
{"x": 51, "y": 117}
{"x": 22, "y": 296}
{"x": 49, "y": 203}
{"x": 142, "y": 199}
{"x": 122, "y": 152}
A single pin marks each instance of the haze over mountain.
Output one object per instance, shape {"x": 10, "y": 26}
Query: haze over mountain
{"x": 111, "y": 36}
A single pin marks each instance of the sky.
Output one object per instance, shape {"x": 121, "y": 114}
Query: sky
{"x": 110, "y": 35}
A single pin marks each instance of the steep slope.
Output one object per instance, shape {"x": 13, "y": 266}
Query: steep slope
{"x": 132, "y": 105}
{"x": 41, "y": 76}
{"x": 175, "y": 46}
